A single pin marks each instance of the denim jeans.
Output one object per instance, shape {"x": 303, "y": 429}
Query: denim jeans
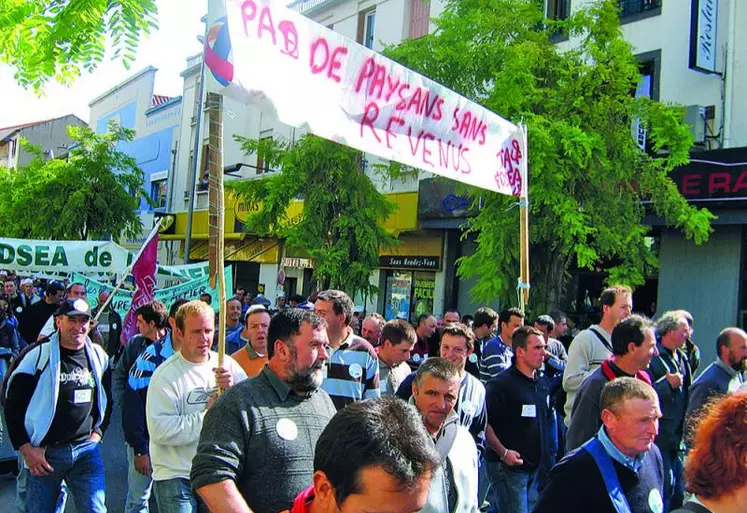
{"x": 138, "y": 487}
{"x": 81, "y": 467}
{"x": 513, "y": 491}
{"x": 176, "y": 496}
{"x": 23, "y": 473}
{"x": 674, "y": 480}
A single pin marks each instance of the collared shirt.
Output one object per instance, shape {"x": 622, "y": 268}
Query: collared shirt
{"x": 390, "y": 378}
{"x": 352, "y": 372}
{"x": 496, "y": 357}
{"x": 616, "y": 454}
{"x": 736, "y": 376}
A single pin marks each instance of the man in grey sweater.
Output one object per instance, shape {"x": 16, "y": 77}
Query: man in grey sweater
{"x": 257, "y": 442}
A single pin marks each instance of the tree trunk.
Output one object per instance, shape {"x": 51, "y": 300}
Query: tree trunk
{"x": 556, "y": 280}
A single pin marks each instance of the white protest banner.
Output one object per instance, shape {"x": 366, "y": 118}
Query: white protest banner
{"x": 189, "y": 290}
{"x": 309, "y": 76}
{"x": 26, "y": 256}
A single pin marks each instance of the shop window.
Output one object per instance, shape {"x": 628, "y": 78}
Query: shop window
{"x": 409, "y": 294}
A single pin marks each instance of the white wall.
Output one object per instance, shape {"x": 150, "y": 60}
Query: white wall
{"x": 670, "y": 33}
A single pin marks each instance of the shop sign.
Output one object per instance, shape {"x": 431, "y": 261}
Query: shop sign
{"x": 719, "y": 175}
{"x": 299, "y": 263}
{"x": 703, "y": 35}
{"x": 440, "y": 199}
{"x": 416, "y": 263}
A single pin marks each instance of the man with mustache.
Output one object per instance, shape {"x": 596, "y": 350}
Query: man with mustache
{"x": 257, "y": 443}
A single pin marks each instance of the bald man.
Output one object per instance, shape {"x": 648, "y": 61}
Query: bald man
{"x": 725, "y": 374}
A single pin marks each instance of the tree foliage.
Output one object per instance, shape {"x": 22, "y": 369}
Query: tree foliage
{"x": 339, "y": 227}
{"x": 57, "y": 39}
{"x": 587, "y": 175}
{"x": 92, "y": 194}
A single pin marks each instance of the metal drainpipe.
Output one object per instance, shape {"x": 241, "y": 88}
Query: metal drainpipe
{"x": 195, "y": 164}
{"x": 729, "y": 73}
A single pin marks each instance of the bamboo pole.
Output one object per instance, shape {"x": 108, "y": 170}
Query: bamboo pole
{"x": 524, "y": 222}
{"x": 214, "y": 107}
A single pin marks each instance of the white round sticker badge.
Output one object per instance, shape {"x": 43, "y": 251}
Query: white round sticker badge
{"x": 287, "y": 429}
{"x": 19, "y": 309}
{"x": 416, "y": 358}
{"x": 655, "y": 502}
{"x": 473, "y": 358}
{"x": 355, "y": 371}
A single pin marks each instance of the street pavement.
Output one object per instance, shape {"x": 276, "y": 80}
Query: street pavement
{"x": 115, "y": 462}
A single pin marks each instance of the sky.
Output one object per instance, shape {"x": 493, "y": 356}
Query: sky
{"x": 166, "y": 50}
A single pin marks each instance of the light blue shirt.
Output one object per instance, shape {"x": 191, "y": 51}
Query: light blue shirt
{"x": 633, "y": 464}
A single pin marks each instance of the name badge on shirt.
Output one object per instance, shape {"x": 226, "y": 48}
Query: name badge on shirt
{"x": 529, "y": 410}
{"x": 82, "y": 396}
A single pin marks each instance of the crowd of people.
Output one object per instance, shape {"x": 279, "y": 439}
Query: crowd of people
{"x": 316, "y": 408}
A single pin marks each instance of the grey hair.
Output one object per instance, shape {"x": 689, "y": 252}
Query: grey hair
{"x": 670, "y": 321}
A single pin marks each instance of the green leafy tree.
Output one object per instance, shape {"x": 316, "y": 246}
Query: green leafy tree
{"x": 339, "y": 225}
{"x": 587, "y": 175}
{"x": 57, "y": 39}
{"x": 92, "y": 194}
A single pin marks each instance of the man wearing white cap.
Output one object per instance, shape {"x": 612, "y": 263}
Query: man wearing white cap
{"x": 55, "y": 408}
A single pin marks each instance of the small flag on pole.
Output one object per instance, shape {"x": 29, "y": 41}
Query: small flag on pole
{"x": 144, "y": 274}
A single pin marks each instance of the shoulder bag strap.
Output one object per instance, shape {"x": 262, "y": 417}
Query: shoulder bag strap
{"x": 601, "y": 339}
{"x": 609, "y": 476}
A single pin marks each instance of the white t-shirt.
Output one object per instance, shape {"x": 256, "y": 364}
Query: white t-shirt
{"x": 49, "y": 328}
{"x": 175, "y": 407}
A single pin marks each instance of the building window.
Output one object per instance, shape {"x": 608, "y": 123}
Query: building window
{"x": 158, "y": 193}
{"x": 648, "y": 87}
{"x": 632, "y": 10}
{"x": 204, "y": 171}
{"x": 366, "y": 27}
{"x": 420, "y": 13}
{"x": 557, "y": 9}
{"x": 264, "y": 136}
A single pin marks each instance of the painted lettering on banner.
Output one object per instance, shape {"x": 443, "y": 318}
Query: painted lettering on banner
{"x": 311, "y": 76}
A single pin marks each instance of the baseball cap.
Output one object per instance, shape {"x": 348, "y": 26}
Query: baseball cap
{"x": 73, "y": 308}
{"x": 27, "y": 281}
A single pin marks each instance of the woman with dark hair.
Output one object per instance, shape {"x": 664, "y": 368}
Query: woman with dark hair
{"x": 716, "y": 468}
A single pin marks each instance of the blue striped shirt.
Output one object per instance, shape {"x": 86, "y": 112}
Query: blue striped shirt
{"x": 496, "y": 357}
{"x": 352, "y": 372}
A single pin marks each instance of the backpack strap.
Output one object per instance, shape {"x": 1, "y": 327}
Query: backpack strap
{"x": 609, "y": 476}
{"x": 601, "y": 339}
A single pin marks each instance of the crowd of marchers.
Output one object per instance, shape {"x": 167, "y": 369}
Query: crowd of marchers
{"x": 317, "y": 409}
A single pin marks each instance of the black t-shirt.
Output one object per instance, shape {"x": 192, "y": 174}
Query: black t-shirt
{"x": 33, "y": 320}
{"x": 75, "y": 414}
{"x": 518, "y": 413}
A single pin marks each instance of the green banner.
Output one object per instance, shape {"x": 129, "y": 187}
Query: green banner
{"x": 48, "y": 258}
{"x": 190, "y": 290}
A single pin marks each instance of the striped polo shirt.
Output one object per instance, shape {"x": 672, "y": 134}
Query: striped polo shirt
{"x": 352, "y": 372}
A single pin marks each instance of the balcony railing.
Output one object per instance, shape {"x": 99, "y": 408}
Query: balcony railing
{"x": 632, "y": 7}
{"x": 303, "y": 6}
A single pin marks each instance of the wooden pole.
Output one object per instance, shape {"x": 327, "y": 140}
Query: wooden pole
{"x": 214, "y": 107}
{"x": 524, "y": 223}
